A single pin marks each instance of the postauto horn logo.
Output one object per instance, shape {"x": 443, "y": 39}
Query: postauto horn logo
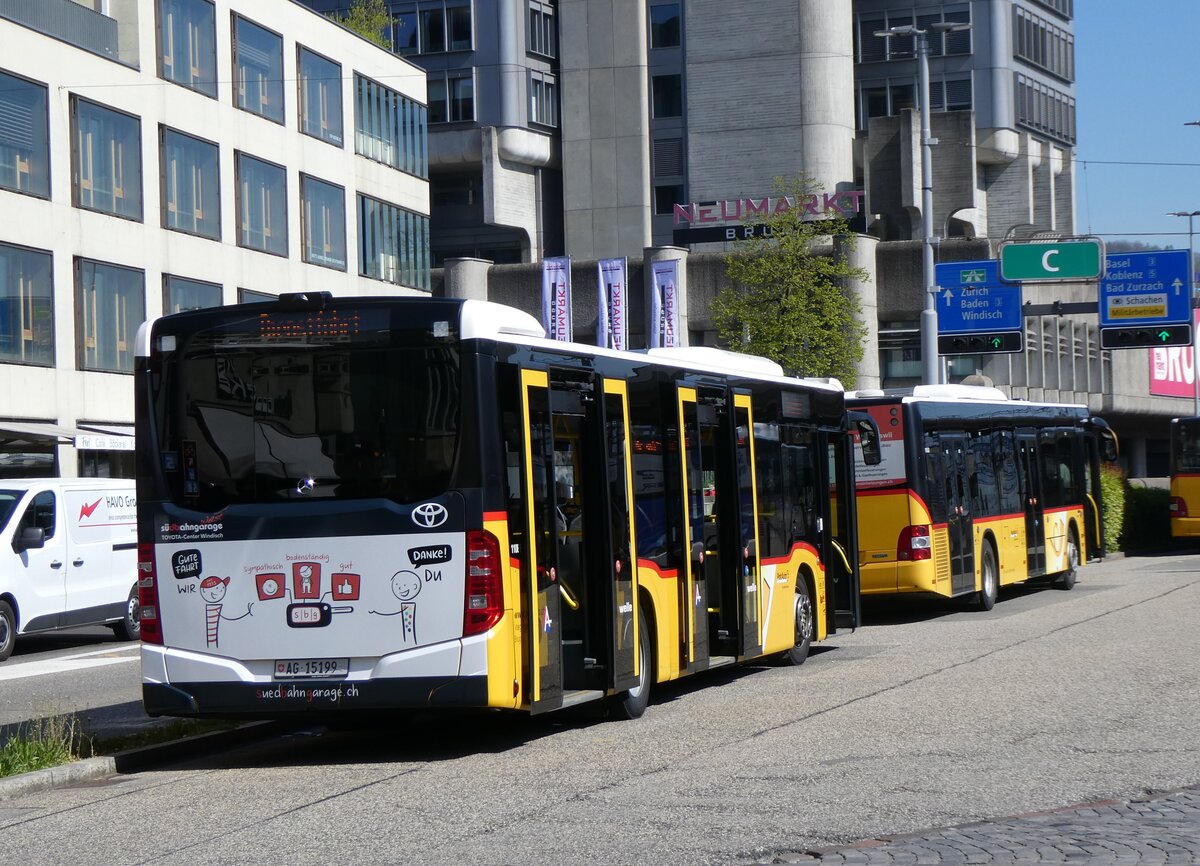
{"x": 429, "y": 515}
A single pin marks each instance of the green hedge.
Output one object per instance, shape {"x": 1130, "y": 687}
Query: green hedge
{"x": 1147, "y": 519}
{"x": 1112, "y": 489}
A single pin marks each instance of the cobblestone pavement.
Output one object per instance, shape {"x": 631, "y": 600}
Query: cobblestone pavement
{"x": 1162, "y": 828}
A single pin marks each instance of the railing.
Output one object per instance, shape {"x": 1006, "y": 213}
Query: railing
{"x": 67, "y": 21}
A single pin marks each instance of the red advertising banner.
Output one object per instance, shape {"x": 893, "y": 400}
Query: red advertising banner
{"x": 1173, "y": 369}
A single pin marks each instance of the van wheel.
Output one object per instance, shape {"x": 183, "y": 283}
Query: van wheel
{"x": 8, "y": 630}
{"x": 130, "y": 625}
{"x": 633, "y": 703}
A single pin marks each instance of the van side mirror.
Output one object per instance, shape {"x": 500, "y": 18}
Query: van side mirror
{"x": 868, "y": 438}
{"x": 29, "y": 538}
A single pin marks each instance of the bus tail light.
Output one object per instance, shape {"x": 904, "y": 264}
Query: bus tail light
{"x": 1178, "y": 506}
{"x": 148, "y": 595}
{"x": 914, "y": 544}
{"x": 485, "y": 588}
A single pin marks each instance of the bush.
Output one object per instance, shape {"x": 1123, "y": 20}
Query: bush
{"x": 1147, "y": 519}
{"x": 1113, "y": 491}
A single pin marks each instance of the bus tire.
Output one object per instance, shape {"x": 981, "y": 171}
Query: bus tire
{"x": 8, "y": 630}
{"x": 805, "y": 623}
{"x": 129, "y": 627}
{"x": 989, "y": 579}
{"x": 1066, "y": 579}
{"x": 633, "y": 703}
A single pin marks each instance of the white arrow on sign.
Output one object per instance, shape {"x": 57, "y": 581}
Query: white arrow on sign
{"x": 1178, "y": 284}
{"x": 949, "y": 294}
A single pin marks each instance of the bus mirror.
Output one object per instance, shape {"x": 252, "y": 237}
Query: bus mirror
{"x": 868, "y": 438}
{"x": 1108, "y": 446}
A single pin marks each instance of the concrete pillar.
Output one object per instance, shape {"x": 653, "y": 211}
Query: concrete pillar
{"x": 467, "y": 278}
{"x": 859, "y": 252}
{"x": 663, "y": 254}
{"x": 826, "y": 53}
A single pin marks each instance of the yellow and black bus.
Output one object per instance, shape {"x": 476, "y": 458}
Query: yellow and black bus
{"x": 975, "y": 491}
{"x": 1185, "y": 478}
{"x": 362, "y": 504}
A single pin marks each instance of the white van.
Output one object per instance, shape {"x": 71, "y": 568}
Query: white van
{"x": 68, "y": 556}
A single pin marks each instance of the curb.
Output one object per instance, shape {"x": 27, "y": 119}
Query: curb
{"x": 133, "y": 760}
{"x": 86, "y": 770}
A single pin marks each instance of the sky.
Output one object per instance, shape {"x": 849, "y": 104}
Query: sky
{"x": 1137, "y": 79}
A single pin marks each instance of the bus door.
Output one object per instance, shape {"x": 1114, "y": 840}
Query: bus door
{"x": 577, "y": 565}
{"x": 1031, "y": 496}
{"x": 1092, "y": 495}
{"x": 841, "y": 553}
{"x": 960, "y": 527}
{"x": 698, "y": 429}
{"x": 747, "y": 588}
{"x": 617, "y": 555}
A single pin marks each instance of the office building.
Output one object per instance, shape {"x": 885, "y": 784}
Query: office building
{"x": 162, "y": 155}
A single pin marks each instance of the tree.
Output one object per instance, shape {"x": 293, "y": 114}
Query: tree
{"x": 790, "y": 300}
{"x": 369, "y": 19}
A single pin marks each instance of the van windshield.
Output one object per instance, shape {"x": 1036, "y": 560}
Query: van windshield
{"x": 8, "y": 504}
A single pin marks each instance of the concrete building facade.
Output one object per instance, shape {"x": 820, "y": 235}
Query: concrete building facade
{"x": 169, "y": 154}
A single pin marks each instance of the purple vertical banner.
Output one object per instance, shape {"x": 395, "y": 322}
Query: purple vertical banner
{"x": 556, "y": 298}
{"x": 612, "y": 325}
{"x": 666, "y": 298}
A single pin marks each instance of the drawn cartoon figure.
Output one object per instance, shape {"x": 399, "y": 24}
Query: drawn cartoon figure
{"x": 405, "y": 586}
{"x": 306, "y": 585}
{"x": 212, "y": 590}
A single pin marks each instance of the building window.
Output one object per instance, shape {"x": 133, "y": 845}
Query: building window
{"x": 1043, "y": 44}
{"x": 249, "y": 296}
{"x": 323, "y": 220}
{"x": 451, "y": 97}
{"x": 393, "y": 243}
{"x": 262, "y": 205}
{"x": 666, "y": 197}
{"x": 24, "y": 140}
{"x": 543, "y": 35}
{"x": 389, "y": 127}
{"x": 431, "y": 28}
{"x": 887, "y": 98}
{"x": 667, "y": 95}
{"x": 110, "y": 305}
{"x": 181, "y": 294}
{"x": 320, "y": 96}
{"x": 26, "y": 307}
{"x": 1044, "y": 109}
{"x": 191, "y": 184}
{"x": 106, "y": 160}
{"x": 543, "y": 98}
{"x": 187, "y": 44}
{"x": 664, "y": 26}
{"x": 258, "y": 69}
{"x": 870, "y": 48}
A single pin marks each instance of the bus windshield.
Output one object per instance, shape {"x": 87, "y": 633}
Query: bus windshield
{"x": 341, "y": 403}
{"x": 1186, "y": 448}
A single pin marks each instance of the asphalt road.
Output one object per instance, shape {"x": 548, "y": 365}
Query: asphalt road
{"x": 925, "y": 718}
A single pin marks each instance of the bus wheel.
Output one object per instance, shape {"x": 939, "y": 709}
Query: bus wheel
{"x": 1066, "y": 579}
{"x": 129, "y": 627}
{"x": 633, "y": 703}
{"x": 804, "y": 624}
{"x": 8, "y": 630}
{"x": 989, "y": 576}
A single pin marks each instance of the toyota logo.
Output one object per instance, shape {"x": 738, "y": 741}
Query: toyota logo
{"x": 429, "y": 515}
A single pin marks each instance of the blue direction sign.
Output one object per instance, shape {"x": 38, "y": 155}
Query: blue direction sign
{"x": 971, "y": 297}
{"x": 1151, "y": 288}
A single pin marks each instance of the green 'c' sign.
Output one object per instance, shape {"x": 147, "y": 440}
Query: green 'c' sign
{"x": 1045, "y": 261}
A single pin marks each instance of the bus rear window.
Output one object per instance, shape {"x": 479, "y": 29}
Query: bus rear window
{"x": 248, "y": 417}
{"x": 1186, "y": 447}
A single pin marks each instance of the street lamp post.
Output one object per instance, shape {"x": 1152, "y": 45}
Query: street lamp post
{"x": 930, "y": 366}
{"x": 1191, "y": 271}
